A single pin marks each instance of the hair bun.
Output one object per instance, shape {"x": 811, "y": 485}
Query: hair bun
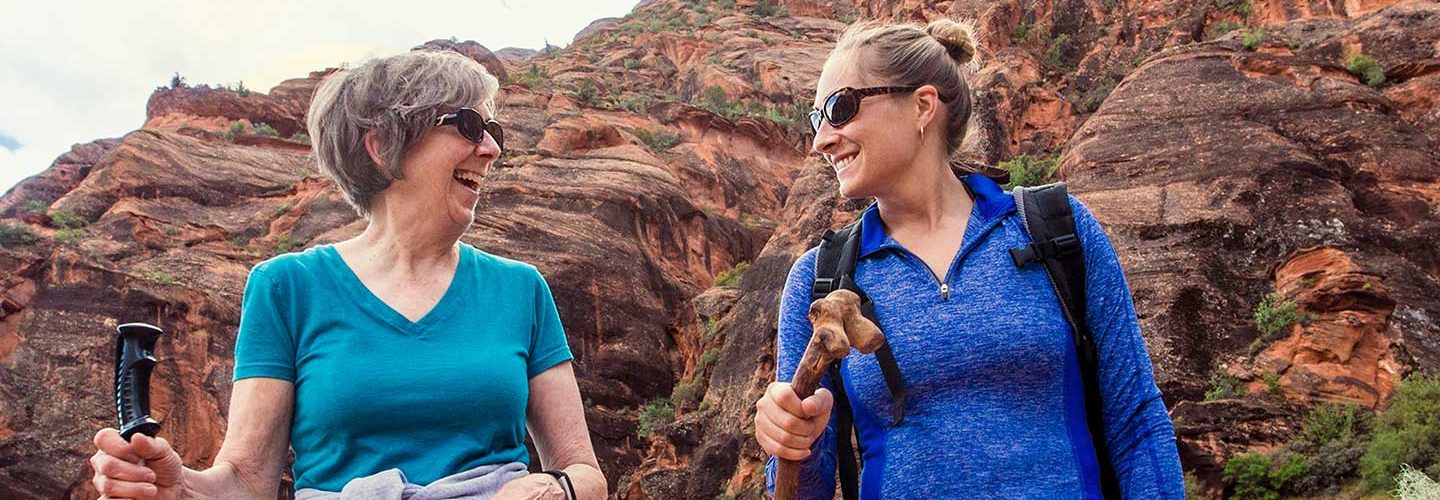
{"x": 958, "y": 38}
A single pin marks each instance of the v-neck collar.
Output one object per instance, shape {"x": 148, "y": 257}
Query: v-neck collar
{"x": 991, "y": 206}
{"x": 372, "y": 304}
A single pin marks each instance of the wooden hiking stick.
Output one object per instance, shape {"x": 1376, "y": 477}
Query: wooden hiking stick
{"x": 838, "y": 326}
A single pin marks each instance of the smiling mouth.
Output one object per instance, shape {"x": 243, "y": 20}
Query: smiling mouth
{"x": 840, "y": 163}
{"x": 470, "y": 180}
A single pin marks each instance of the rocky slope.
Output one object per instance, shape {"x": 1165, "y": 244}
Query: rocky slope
{"x": 663, "y": 148}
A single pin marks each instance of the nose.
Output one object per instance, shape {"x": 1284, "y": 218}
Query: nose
{"x": 487, "y": 148}
{"x": 826, "y": 140}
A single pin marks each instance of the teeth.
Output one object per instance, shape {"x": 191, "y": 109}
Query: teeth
{"x": 844, "y": 163}
{"x": 467, "y": 176}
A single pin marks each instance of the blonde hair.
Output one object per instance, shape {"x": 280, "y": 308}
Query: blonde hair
{"x": 399, "y": 97}
{"x": 912, "y": 55}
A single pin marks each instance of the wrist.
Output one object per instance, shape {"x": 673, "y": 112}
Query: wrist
{"x": 563, "y": 479}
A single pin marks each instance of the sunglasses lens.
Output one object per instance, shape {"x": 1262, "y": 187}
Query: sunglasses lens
{"x": 815, "y": 117}
{"x": 496, "y": 131}
{"x": 842, "y": 107}
{"x": 470, "y": 125}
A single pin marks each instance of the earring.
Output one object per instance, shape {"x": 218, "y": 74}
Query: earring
{"x": 922, "y": 133}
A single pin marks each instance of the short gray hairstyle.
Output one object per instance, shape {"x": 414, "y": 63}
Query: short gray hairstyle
{"x": 399, "y": 97}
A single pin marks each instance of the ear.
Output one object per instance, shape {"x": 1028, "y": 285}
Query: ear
{"x": 927, "y": 106}
{"x": 373, "y": 145}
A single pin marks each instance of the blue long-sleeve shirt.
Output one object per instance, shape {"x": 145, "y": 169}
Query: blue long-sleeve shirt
{"x": 995, "y": 403}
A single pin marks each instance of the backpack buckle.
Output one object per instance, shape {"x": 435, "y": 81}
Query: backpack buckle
{"x": 1061, "y": 246}
{"x": 821, "y": 288}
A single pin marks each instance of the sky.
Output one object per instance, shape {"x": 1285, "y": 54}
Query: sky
{"x": 72, "y": 72}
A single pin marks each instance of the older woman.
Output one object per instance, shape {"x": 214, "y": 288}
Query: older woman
{"x": 401, "y": 356}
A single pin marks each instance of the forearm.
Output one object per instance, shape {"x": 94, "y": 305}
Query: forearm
{"x": 222, "y": 481}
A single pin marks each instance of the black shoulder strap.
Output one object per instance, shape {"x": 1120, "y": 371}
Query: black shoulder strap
{"x": 1046, "y": 213}
{"x": 835, "y": 269}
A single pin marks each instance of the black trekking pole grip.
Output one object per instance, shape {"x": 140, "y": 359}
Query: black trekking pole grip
{"x": 134, "y": 360}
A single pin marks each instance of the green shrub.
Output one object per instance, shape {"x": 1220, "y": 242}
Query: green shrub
{"x": 1365, "y": 67}
{"x": 36, "y": 207}
{"x": 631, "y": 64}
{"x": 1193, "y": 491}
{"x": 655, "y": 413}
{"x": 1223, "y": 386}
{"x": 534, "y": 77}
{"x": 1055, "y": 54}
{"x": 1407, "y": 433}
{"x": 766, "y": 8}
{"x": 1028, "y": 171}
{"x": 264, "y": 129}
{"x": 16, "y": 234}
{"x": 240, "y": 89}
{"x": 732, "y": 276}
{"x": 1272, "y": 382}
{"x": 686, "y": 394}
{"x": 1253, "y": 37}
{"x": 66, "y": 220}
{"x": 1255, "y": 476}
{"x": 283, "y": 208}
{"x": 587, "y": 93}
{"x": 1091, "y": 99}
{"x": 1411, "y": 484}
{"x": 162, "y": 278}
{"x": 68, "y": 236}
{"x": 657, "y": 142}
{"x": 1273, "y": 314}
{"x": 709, "y": 356}
{"x": 638, "y": 103}
{"x": 301, "y": 137}
{"x": 1239, "y": 7}
{"x": 711, "y": 328}
{"x": 1220, "y": 28}
{"x": 1332, "y": 439}
{"x": 285, "y": 244}
{"x": 236, "y": 128}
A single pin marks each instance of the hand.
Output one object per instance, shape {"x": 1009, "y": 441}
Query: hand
{"x": 119, "y": 474}
{"x": 785, "y": 426}
{"x": 532, "y": 487}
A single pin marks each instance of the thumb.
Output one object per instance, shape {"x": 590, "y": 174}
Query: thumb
{"x": 818, "y": 404}
{"x": 159, "y": 457}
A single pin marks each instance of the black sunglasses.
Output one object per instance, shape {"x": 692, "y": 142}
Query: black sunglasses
{"x": 842, "y": 105}
{"x": 473, "y": 126}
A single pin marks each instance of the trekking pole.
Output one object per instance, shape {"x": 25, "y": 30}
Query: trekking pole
{"x": 134, "y": 361}
{"x": 838, "y": 326}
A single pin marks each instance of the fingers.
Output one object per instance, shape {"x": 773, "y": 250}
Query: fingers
{"x": 114, "y": 468}
{"x": 115, "y": 488}
{"x": 789, "y": 434}
{"x": 110, "y": 442}
{"x": 784, "y": 396}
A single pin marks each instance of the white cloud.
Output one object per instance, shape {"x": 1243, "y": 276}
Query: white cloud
{"x": 79, "y": 71}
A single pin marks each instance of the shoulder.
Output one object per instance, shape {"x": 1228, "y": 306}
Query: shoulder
{"x": 502, "y": 268}
{"x": 293, "y": 266}
{"x": 803, "y": 270}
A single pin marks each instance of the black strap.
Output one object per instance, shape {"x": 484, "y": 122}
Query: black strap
{"x": 1046, "y": 213}
{"x": 564, "y": 480}
{"x": 844, "y": 427}
{"x": 835, "y": 269}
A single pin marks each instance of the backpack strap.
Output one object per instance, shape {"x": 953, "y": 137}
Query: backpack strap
{"x": 835, "y": 269}
{"x": 1045, "y": 211}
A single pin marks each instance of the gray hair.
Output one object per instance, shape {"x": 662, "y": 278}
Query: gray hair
{"x": 912, "y": 55}
{"x": 399, "y": 97}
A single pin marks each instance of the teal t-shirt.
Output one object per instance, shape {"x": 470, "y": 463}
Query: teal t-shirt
{"x": 374, "y": 390}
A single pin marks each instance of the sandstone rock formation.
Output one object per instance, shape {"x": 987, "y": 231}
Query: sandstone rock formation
{"x": 664, "y": 148}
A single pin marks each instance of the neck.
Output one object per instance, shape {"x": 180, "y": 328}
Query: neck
{"x": 404, "y": 243}
{"x": 928, "y": 199}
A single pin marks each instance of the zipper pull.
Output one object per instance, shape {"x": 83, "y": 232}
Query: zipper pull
{"x": 944, "y": 292}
